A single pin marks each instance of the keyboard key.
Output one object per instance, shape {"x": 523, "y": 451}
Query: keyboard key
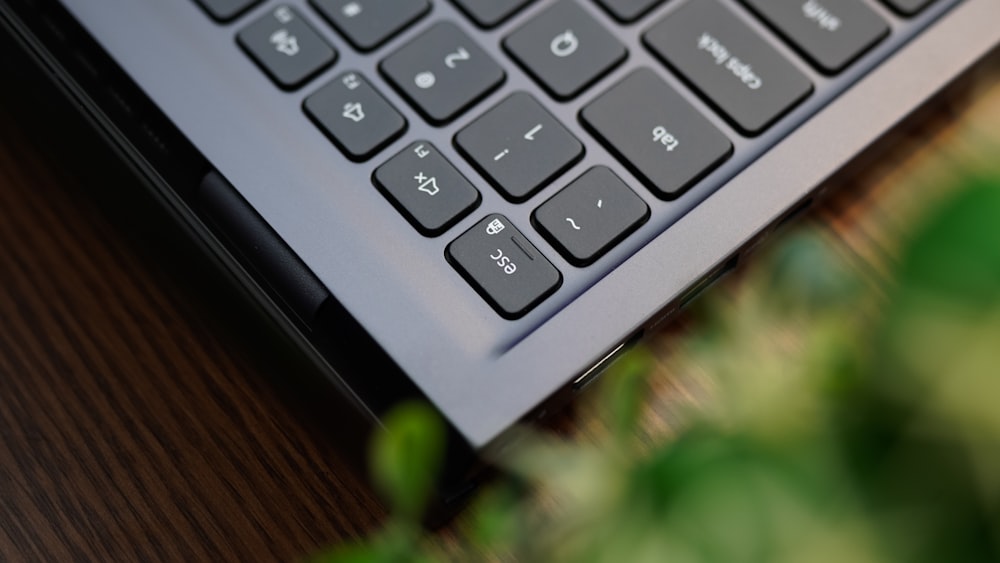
{"x": 907, "y": 7}
{"x": 590, "y": 216}
{"x": 627, "y": 11}
{"x": 489, "y": 13}
{"x": 519, "y": 147}
{"x": 366, "y": 24}
{"x": 732, "y": 66}
{"x": 227, "y": 10}
{"x": 565, "y": 49}
{"x": 426, "y": 188}
{"x": 286, "y": 47}
{"x": 506, "y": 269}
{"x": 664, "y": 141}
{"x": 355, "y": 116}
{"x": 442, "y": 72}
{"x": 829, "y": 33}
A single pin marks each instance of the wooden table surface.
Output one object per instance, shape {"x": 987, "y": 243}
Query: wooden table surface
{"x": 139, "y": 418}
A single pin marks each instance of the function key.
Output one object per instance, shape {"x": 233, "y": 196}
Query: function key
{"x": 519, "y": 146}
{"x": 227, "y": 10}
{"x": 426, "y": 188}
{"x": 565, "y": 49}
{"x": 366, "y": 24}
{"x": 627, "y": 11}
{"x": 286, "y": 47}
{"x": 590, "y": 216}
{"x": 830, "y": 34}
{"x": 506, "y": 269}
{"x": 730, "y": 64}
{"x": 355, "y": 116}
{"x": 664, "y": 141}
{"x": 489, "y": 13}
{"x": 442, "y": 72}
{"x": 907, "y": 7}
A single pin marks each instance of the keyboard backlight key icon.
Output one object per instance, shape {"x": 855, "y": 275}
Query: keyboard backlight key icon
{"x": 285, "y": 43}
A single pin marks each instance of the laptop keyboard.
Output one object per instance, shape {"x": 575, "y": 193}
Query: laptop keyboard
{"x": 748, "y": 72}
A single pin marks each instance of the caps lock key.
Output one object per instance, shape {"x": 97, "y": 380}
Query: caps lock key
{"x": 732, "y": 66}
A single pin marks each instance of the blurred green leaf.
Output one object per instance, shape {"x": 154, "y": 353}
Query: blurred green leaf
{"x": 823, "y": 436}
{"x": 626, "y": 387}
{"x": 922, "y": 430}
{"x": 368, "y": 553}
{"x": 957, "y": 253}
{"x": 806, "y": 275}
{"x": 497, "y": 517}
{"x": 406, "y": 457}
{"x": 399, "y": 542}
{"x": 942, "y": 332}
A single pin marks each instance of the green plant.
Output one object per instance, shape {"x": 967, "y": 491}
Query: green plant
{"x": 867, "y": 430}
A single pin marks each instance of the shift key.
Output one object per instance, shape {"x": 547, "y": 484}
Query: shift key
{"x": 729, "y": 63}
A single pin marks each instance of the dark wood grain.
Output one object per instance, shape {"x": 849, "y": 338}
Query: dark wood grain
{"x": 139, "y": 420}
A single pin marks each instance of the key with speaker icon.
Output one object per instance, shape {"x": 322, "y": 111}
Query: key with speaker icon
{"x": 355, "y": 116}
{"x": 427, "y": 189}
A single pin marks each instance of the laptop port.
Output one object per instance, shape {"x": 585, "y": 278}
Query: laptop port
{"x": 713, "y": 276}
{"x": 592, "y": 374}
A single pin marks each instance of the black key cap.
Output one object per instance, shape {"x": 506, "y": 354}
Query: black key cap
{"x": 829, "y": 33}
{"x": 506, "y": 269}
{"x": 426, "y": 188}
{"x": 489, "y": 13}
{"x": 565, "y": 49}
{"x": 286, "y": 47}
{"x": 628, "y": 10}
{"x": 226, "y": 10}
{"x": 732, "y": 66}
{"x": 442, "y": 72}
{"x": 519, "y": 147}
{"x": 664, "y": 141}
{"x": 355, "y": 116}
{"x": 366, "y": 24}
{"x": 907, "y": 7}
{"x": 590, "y": 216}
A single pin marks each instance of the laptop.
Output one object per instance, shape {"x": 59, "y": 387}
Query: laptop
{"x": 482, "y": 203}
